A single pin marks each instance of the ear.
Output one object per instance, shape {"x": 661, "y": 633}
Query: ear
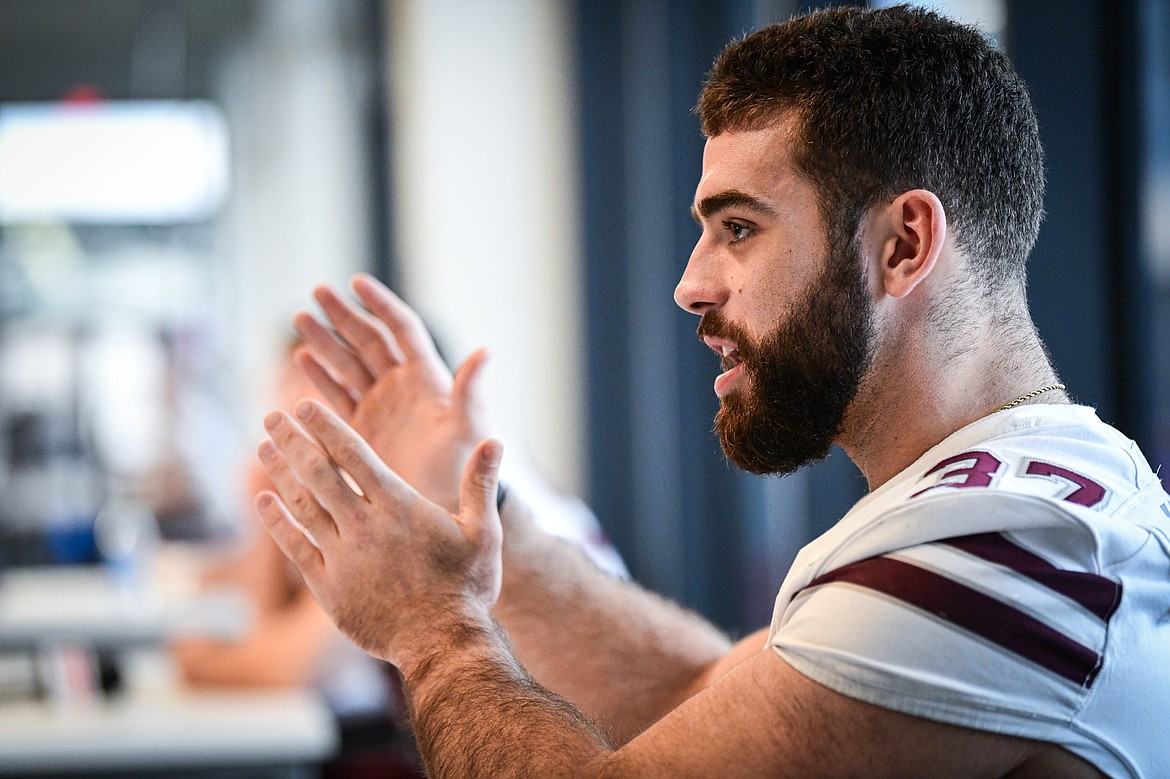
{"x": 916, "y": 229}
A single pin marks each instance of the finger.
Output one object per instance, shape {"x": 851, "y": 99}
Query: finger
{"x": 288, "y": 535}
{"x": 481, "y": 481}
{"x": 354, "y": 456}
{"x": 312, "y": 467}
{"x": 298, "y": 500}
{"x": 334, "y": 394}
{"x": 466, "y": 392}
{"x": 407, "y": 326}
{"x": 334, "y": 354}
{"x": 371, "y": 339}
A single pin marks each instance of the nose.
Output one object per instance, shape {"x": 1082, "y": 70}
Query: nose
{"x": 700, "y": 289}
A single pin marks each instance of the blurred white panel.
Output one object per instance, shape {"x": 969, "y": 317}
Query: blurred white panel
{"x": 124, "y": 393}
{"x": 148, "y": 162}
{"x": 486, "y": 205}
{"x": 296, "y": 94}
{"x": 38, "y": 367}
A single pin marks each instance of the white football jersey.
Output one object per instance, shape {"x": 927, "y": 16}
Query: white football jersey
{"x": 1014, "y": 579}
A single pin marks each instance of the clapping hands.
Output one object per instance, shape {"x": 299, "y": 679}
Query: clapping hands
{"x": 379, "y": 369}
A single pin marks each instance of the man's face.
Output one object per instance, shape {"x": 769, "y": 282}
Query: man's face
{"x": 788, "y": 311}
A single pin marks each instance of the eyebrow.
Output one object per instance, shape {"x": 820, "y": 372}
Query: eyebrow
{"x": 729, "y": 198}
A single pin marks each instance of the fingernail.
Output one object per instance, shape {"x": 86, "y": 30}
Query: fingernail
{"x": 493, "y": 453}
{"x": 272, "y": 420}
{"x": 267, "y": 450}
{"x": 263, "y": 500}
{"x": 304, "y": 409}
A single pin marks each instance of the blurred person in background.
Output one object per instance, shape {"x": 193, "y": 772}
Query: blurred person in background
{"x": 290, "y": 642}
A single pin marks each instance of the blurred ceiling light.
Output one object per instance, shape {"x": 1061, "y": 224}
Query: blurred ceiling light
{"x": 123, "y": 162}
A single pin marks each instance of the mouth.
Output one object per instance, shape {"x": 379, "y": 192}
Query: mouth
{"x": 730, "y": 363}
{"x": 727, "y": 350}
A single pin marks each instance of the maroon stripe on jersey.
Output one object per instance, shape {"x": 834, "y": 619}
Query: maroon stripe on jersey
{"x": 1099, "y": 595}
{"x": 973, "y": 611}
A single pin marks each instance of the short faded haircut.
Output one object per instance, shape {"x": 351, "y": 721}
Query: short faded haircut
{"x": 891, "y": 100}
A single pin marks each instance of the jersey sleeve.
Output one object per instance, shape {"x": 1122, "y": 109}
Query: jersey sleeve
{"x": 978, "y": 631}
{"x": 1014, "y": 581}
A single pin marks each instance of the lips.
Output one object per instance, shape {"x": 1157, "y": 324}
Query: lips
{"x": 730, "y": 359}
{"x": 730, "y": 362}
{"x": 725, "y": 348}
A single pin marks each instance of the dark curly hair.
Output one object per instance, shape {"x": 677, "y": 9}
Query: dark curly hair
{"x": 891, "y": 100}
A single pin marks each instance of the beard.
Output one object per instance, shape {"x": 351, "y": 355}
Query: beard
{"x": 802, "y": 376}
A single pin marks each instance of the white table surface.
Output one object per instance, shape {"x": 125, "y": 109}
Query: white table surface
{"x": 178, "y": 729}
{"x": 90, "y": 606}
{"x": 155, "y": 726}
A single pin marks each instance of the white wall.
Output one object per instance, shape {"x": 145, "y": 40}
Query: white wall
{"x": 484, "y": 199}
{"x": 294, "y": 93}
{"x": 486, "y": 207}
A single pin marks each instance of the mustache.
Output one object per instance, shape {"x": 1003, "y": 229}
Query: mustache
{"x": 715, "y": 325}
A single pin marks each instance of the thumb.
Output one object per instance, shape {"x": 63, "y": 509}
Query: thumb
{"x": 481, "y": 481}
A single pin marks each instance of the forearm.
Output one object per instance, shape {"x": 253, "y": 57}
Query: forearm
{"x": 621, "y": 654}
{"x": 476, "y": 712}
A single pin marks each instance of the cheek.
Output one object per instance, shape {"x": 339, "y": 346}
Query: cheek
{"x": 768, "y": 298}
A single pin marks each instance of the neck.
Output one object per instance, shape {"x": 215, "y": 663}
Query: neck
{"x": 909, "y": 403}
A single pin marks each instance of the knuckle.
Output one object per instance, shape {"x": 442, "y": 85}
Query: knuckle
{"x": 277, "y": 471}
{"x": 303, "y": 503}
{"x": 304, "y": 554}
{"x": 319, "y": 470}
{"x": 349, "y": 453}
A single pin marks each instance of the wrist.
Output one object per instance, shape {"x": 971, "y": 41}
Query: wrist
{"x": 449, "y": 628}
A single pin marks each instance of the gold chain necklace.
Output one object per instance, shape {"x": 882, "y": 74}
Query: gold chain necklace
{"x": 1029, "y": 396}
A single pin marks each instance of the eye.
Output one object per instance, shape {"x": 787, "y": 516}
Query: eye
{"x": 737, "y": 231}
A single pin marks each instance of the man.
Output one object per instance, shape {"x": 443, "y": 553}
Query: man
{"x": 996, "y": 606}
